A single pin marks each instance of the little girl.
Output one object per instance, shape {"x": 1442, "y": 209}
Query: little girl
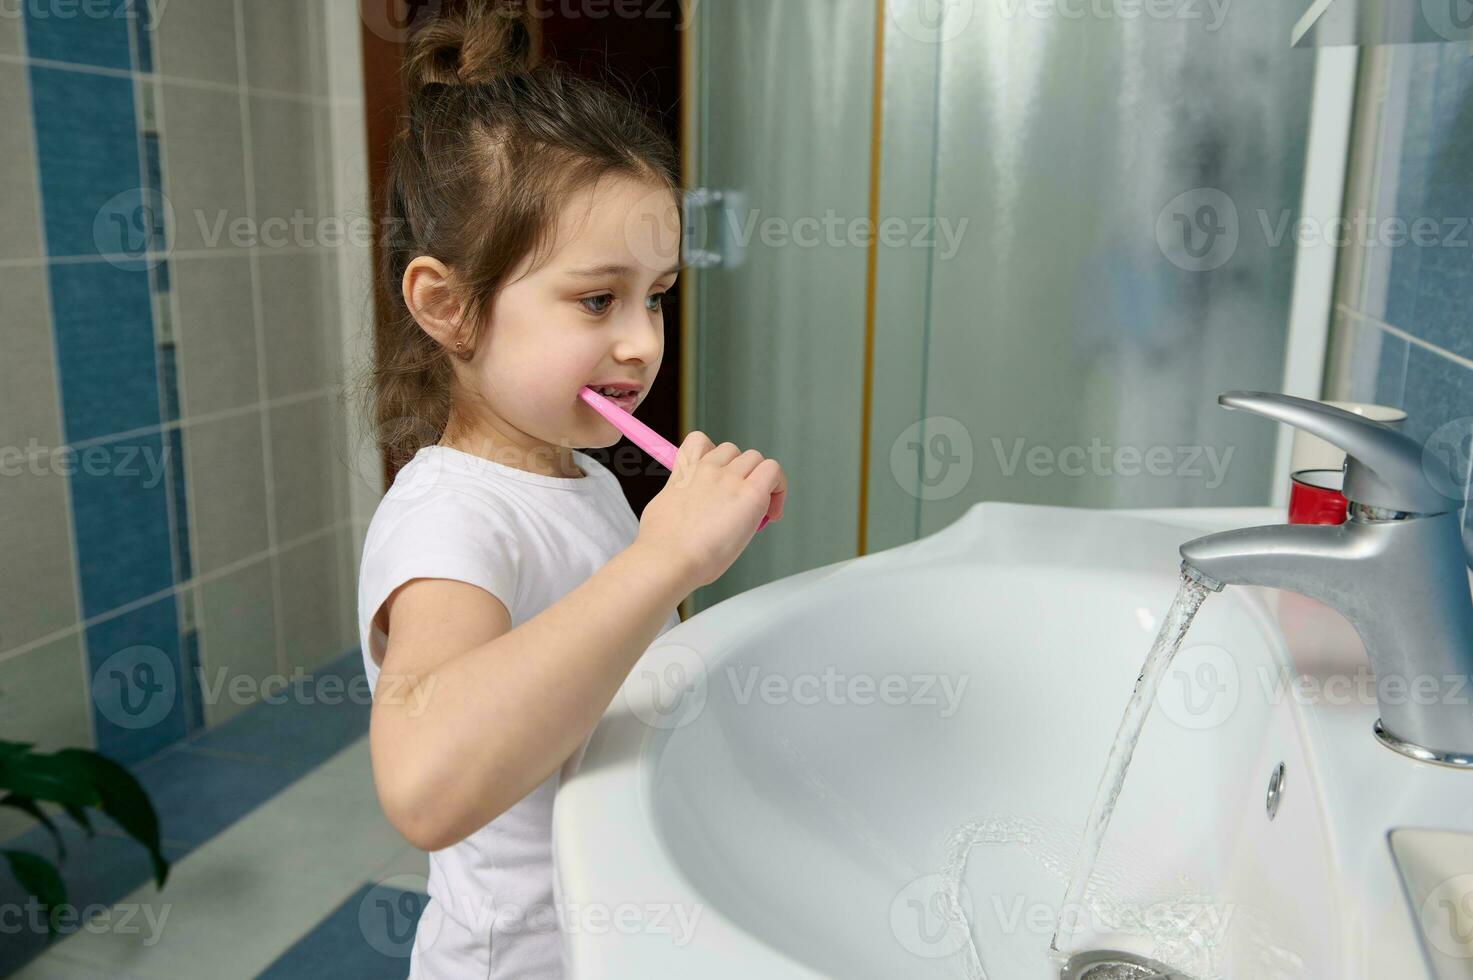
{"x": 507, "y": 588}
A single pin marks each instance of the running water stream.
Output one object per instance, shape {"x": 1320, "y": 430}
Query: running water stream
{"x": 1189, "y": 598}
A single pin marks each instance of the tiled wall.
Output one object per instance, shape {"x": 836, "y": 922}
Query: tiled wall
{"x": 1403, "y": 332}
{"x": 171, "y": 438}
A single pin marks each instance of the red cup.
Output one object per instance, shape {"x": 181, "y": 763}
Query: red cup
{"x": 1315, "y": 497}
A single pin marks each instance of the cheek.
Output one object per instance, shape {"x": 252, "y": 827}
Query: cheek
{"x": 539, "y": 376}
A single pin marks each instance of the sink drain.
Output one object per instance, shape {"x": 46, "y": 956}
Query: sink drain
{"x": 1112, "y": 964}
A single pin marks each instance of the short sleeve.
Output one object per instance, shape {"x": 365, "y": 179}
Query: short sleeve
{"x": 450, "y": 535}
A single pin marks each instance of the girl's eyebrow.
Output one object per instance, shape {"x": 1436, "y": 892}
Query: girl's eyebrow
{"x": 614, "y": 269}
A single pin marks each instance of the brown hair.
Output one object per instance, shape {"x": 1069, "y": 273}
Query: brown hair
{"x": 492, "y": 146}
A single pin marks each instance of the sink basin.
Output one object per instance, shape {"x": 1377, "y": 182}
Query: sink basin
{"x": 1437, "y": 868}
{"x": 882, "y": 768}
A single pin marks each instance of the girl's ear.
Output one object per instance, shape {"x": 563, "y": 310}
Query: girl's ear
{"x": 432, "y": 302}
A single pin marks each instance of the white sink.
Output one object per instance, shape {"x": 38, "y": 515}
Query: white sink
{"x": 789, "y": 814}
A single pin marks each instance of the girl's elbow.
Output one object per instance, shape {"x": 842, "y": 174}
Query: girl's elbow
{"x": 417, "y": 821}
{"x": 427, "y": 824}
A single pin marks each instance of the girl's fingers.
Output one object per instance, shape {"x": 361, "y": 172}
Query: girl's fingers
{"x": 690, "y": 451}
{"x": 744, "y": 464}
{"x": 722, "y": 454}
{"x": 777, "y": 484}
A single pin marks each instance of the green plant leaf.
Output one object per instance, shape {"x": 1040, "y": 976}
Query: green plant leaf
{"x": 60, "y": 777}
{"x": 121, "y": 797}
{"x": 39, "y": 877}
{"x": 80, "y": 816}
{"x": 30, "y": 806}
{"x": 13, "y": 748}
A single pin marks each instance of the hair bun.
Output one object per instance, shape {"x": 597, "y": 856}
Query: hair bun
{"x": 470, "y": 43}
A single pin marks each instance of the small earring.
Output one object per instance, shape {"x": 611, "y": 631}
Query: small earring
{"x": 464, "y": 355}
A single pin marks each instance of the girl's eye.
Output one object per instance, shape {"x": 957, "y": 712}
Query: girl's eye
{"x": 604, "y": 299}
{"x": 593, "y": 299}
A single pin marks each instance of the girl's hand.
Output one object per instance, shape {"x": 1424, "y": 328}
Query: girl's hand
{"x": 711, "y": 506}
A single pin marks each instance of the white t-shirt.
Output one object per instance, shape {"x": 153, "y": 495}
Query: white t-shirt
{"x": 529, "y": 540}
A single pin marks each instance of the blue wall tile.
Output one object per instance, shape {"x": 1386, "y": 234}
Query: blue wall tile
{"x": 1391, "y": 369}
{"x": 195, "y": 696}
{"x": 368, "y": 937}
{"x": 1430, "y": 285}
{"x": 70, "y": 32}
{"x": 106, "y": 354}
{"x": 121, "y": 518}
{"x": 1439, "y": 407}
{"x": 158, "y": 228}
{"x": 1438, "y": 391}
{"x": 169, "y": 377}
{"x": 137, "y": 698}
{"x": 183, "y": 560}
{"x": 142, "y": 19}
{"x": 208, "y": 791}
{"x": 296, "y": 734}
{"x": 87, "y": 152}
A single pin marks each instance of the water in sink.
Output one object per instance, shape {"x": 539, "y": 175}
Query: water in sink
{"x": 1189, "y": 598}
{"x": 1178, "y": 926}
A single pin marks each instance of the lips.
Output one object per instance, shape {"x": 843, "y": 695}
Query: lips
{"x": 623, "y": 394}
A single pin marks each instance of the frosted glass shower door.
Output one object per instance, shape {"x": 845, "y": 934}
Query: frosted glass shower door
{"x": 1087, "y": 241}
{"x": 1126, "y": 183}
{"x": 784, "y": 133}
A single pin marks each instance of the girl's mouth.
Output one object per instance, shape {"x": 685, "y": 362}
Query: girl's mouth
{"x": 622, "y": 397}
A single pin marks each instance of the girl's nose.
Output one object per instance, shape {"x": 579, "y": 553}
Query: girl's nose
{"x": 640, "y": 340}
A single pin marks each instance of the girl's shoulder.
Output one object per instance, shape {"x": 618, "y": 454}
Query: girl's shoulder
{"x": 432, "y": 505}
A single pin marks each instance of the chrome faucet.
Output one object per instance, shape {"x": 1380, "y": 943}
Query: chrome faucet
{"x": 1396, "y": 569}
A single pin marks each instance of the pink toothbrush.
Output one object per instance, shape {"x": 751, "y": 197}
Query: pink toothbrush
{"x": 640, "y": 434}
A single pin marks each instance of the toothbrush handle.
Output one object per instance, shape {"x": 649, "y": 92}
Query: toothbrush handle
{"x": 662, "y": 449}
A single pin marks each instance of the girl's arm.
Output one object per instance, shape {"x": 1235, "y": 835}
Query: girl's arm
{"x": 469, "y": 715}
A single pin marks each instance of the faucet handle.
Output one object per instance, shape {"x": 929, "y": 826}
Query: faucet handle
{"x": 1383, "y": 467}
